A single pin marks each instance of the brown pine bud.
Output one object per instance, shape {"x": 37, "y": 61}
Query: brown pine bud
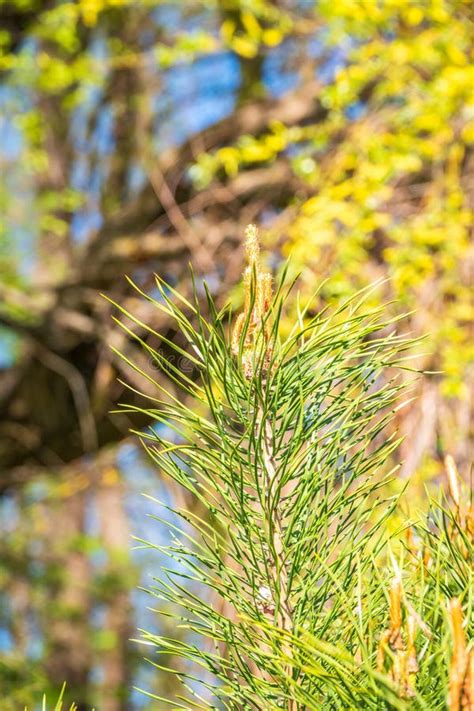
{"x": 459, "y": 658}
{"x": 467, "y": 694}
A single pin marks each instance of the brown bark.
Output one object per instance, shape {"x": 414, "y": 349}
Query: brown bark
{"x": 65, "y": 617}
{"x": 115, "y": 535}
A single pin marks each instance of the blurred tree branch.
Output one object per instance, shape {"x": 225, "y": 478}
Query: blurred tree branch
{"x": 67, "y": 320}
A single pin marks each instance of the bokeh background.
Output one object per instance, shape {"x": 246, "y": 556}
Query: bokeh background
{"x": 137, "y": 136}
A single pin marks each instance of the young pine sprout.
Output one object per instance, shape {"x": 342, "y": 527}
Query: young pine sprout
{"x": 397, "y": 644}
{"x": 253, "y": 322}
{"x": 461, "y": 670}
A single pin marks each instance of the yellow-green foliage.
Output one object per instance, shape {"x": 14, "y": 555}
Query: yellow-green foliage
{"x": 387, "y": 191}
{"x": 388, "y": 171}
{"x": 417, "y": 133}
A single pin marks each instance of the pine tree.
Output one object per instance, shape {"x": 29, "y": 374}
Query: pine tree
{"x": 280, "y": 586}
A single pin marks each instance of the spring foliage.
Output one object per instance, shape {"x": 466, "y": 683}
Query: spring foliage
{"x": 275, "y": 579}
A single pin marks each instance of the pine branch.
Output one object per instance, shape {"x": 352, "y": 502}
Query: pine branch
{"x": 282, "y": 444}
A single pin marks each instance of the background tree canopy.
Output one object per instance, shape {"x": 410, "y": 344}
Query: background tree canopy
{"x": 138, "y": 136}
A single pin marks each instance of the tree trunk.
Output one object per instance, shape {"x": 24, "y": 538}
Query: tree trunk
{"x": 67, "y": 635}
{"x": 115, "y": 535}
